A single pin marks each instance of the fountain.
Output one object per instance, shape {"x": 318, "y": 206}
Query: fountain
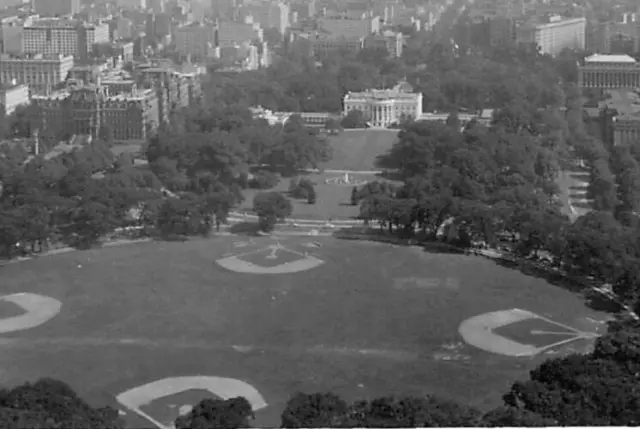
{"x": 345, "y": 180}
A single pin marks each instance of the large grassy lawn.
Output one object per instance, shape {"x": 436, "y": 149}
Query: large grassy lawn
{"x": 357, "y": 150}
{"x": 138, "y": 313}
{"x": 333, "y": 201}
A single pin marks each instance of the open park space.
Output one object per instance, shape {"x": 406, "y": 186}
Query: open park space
{"x": 150, "y": 328}
{"x": 334, "y": 199}
{"x": 356, "y": 150}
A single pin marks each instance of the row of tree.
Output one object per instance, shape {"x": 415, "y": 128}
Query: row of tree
{"x": 593, "y": 389}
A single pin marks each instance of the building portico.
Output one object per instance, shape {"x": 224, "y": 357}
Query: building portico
{"x": 382, "y": 108}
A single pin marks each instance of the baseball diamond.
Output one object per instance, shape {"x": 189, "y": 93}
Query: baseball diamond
{"x": 154, "y": 327}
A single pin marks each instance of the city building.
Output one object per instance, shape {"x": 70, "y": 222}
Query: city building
{"x": 236, "y": 33}
{"x": 173, "y": 90}
{"x": 156, "y": 6}
{"x": 383, "y": 107}
{"x": 224, "y": 9}
{"x": 88, "y": 109}
{"x": 389, "y": 41}
{"x": 13, "y": 95}
{"x": 323, "y": 45}
{"x": 63, "y": 36}
{"x": 11, "y": 34}
{"x": 123, "y": 50}
{"x": 196, "y": 40}
{"x": 56, "y": 7}
{"x": 132, "y": 4}
{"x": 554, "y": 36}
{"x": 271, "y": 15}
{"x": 613, "y": 37}
{"x": 622, "y": 109}
{"x": 343, "y": 26}
{"x": 609, "y": 72}
{"x": 41, "y": 72}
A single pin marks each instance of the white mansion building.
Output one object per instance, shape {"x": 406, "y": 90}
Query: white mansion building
{"x": 383, "y": 107}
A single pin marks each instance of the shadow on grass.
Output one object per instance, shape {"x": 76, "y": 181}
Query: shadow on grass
{"x": 245, "y": 228}
{"x": 594, "y": 300}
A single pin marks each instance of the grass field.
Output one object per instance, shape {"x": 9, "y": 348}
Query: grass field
{"x": 139, "y": 313}
{"x": 333, "y": 201}
{"x": 356, "y": 150}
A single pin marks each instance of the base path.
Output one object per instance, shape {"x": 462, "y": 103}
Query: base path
{"x": 478, "y": 331}
{"x": 38, "y": 309}
{"x": 224, "y": 388}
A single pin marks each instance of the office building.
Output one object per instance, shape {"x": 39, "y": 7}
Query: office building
{"x": 383, "y": 107}
{"x": 343, "y": 26}
{"x": 323, "y": 45}
{"x": 224, "y": 9}
{"x": 389, "y": 41}
{"x": 271, "y": 15}
{"x": 236, "y": 33}
{"x": 196, "y": 40}
{"x": 609, "y": 72}
{"x": 41, "y": 72}
{"x": 11, "y": 34}
{"x": 13, "y": 95}
{"x": 556, "y": 35}
{"x": 132, "y": 4}
{"x": 87, "y": 109}
{"x": 157, "y": 6}
{"x": 46, "y": 8}
{"x": 62, "y": 36}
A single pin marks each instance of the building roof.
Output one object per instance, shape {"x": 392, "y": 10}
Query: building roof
{"x": 600, "y": 58}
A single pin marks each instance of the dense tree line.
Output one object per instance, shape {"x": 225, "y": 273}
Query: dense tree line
{"x": 597, "y": 388}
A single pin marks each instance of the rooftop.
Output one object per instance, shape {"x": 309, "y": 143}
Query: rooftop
{"x": 626, "y": 102}
{"x": 601, "y": 58}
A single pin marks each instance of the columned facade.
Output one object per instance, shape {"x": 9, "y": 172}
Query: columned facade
{"x": 609, "y": 72}
{"x": 382, "y": 108}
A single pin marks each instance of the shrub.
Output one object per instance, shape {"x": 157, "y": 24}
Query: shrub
{"x": 300, "y": 193}
{"x": 264, "y": 180}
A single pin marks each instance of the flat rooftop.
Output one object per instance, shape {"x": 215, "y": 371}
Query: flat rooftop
{"x": 600, "y": 58}
{"x": 626, "y": 102}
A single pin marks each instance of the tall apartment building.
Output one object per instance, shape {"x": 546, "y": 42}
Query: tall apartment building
{"x": 61, "y": 36}
{"x": 272, "y": 15}
{"x": 132, "y": 4}
{"x": 11, "y": 34}
{"x": 195, "y": 40}
{"x": 235, "y": 33}
{"x": 224, "y": 9}
{"x": 304, "y": 9}
{"x": 86, "y": 110}
{"x": 157, "y": 6}
{"x": 56, "y": 7}
{"x": 556, "y": 35}
{"x": 41, "y": 72}
{"x": 343, "y": 26}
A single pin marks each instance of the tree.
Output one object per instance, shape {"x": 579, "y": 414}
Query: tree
{"x": 311, "y": 197}
{"x": 49, "y": 403}
{"x": 602, "y": 189}
{"x": 232, "y": 413}
{"x": 313, "y": 411}
{"x": 354, "y": 119}
{"x": 354, "y": 196}
{"x": 453, "y": 121}
{"x": 514, "y": 417}
{"x": 271, "y": 207}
